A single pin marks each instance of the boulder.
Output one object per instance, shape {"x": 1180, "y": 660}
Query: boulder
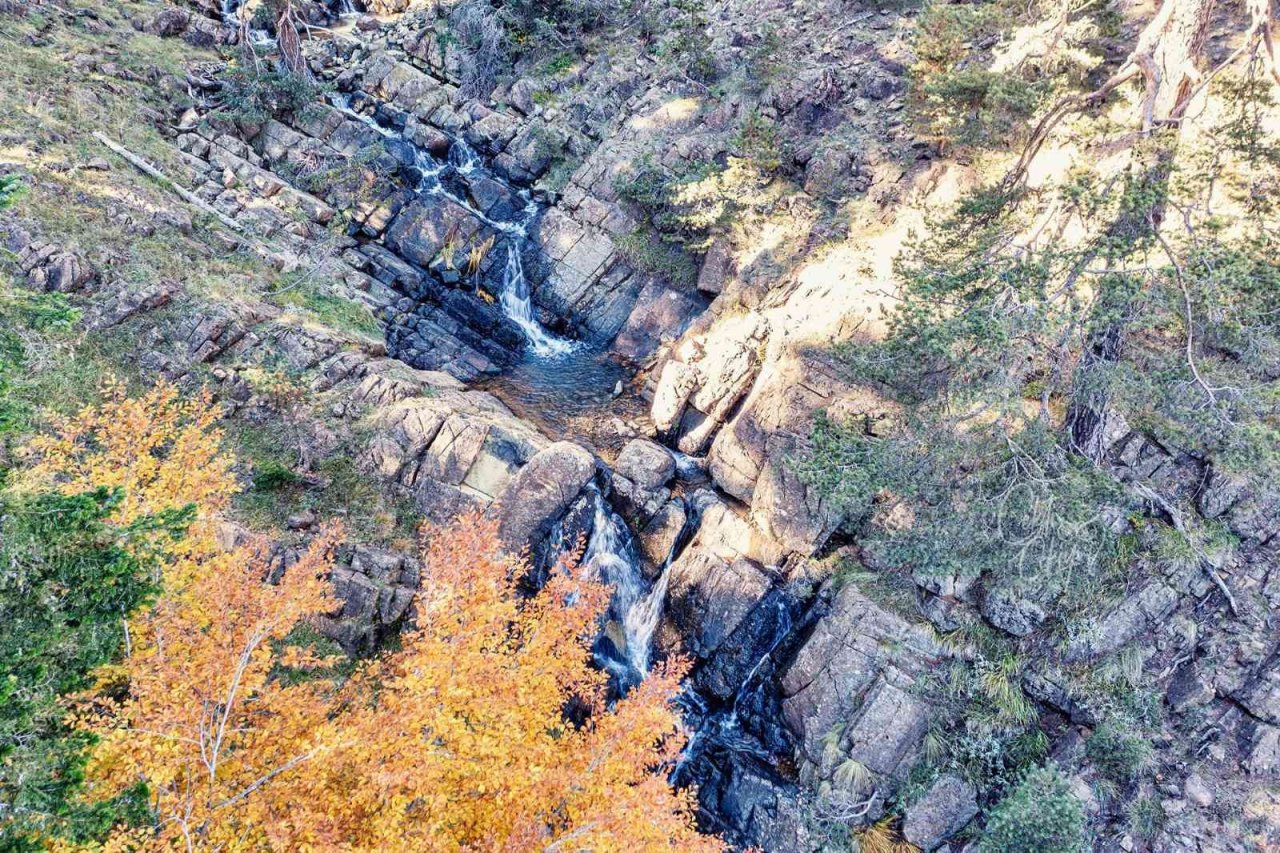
{"x": 709, "y": 597}
{"x": 541, "y": 492}
{"x": 169, "y": 22}
{"x": 51, "y": 268}
{"x": 423, "y": 228}
{"x": 660, "y": 315}
{"x": 718, "y": 266}
{"x": 658, "y": 538}
{"x": 836, "y": 670}
{"x": 826, "y": 172}
{"x": 1012, "y": 613}
{"x": 946, "y": 807}
{"x": 646, "y": 463}
{"x": 1263, "y": 750}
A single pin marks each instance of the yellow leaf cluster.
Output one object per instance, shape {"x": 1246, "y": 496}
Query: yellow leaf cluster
{"x": 488, "y": 730}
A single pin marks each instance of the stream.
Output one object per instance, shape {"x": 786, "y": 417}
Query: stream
{"x": 555, "y": 383}
{"x": 569, "y": 389}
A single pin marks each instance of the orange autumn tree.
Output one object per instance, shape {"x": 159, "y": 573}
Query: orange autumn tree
{"x": 192, "y": 710}
{"x": 461, "y": 740}
{"x": 204, "y": 722}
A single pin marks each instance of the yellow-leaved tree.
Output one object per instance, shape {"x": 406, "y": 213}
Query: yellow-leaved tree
{"x": 460, "y": 741}
{"x": 488, "y": 729}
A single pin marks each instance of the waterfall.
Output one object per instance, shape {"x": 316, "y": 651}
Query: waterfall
{"x": 517, "y": 305}
{"x": 722, "y": 727}
{"x": 466, "y": 163}
{"x": 611, "y": 557}
{"x": 345, "y": 7}
{"x": 642, "y": 620}
{"x": 689, "y": 467}
{"x": 463, "y": 158}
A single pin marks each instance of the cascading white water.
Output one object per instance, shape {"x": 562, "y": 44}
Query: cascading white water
{"x": 611, "y": 556}
{"x": 515, "y": 298}
{"x": 519, "y": 307}
{"x": 464, "y": 159}
{"x": 641, "y": 622}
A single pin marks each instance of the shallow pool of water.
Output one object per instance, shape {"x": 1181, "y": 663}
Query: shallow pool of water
{"x": 570, "y": 395}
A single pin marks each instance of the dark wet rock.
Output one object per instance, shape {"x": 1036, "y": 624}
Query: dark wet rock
{"x": 945, "y": 808}
{"x": 494, "y": 199}
{"x": 753, "y": 804}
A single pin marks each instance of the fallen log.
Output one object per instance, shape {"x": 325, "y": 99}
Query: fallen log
{"x": 148, "y": 169}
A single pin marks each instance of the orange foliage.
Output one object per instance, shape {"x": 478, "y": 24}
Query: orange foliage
{"x": 203, "y": 723}
{"x": 459, "y": 741}
{"x": 164, "y": 452}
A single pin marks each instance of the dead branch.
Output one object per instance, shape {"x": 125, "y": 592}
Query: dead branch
{"x": 1176, "y": 517}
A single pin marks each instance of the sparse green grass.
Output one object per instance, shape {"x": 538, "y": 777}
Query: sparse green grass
{"x": 48, "y": 364}
{"x": 335, "y": 312}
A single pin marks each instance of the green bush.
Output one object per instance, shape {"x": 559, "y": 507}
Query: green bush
{"x": 271, "y": 476}
{"x": 684, "y": 207}
{"x": 1040, "y": 815}
{"x": 250, "y": 96}
{"x": 761, "y": 143}
{"x": 1119, "y": 752}
{"x": 687, "y": 43}
{"x": 11, "y": 188}
{"x": 648, "y": 253}
{"x": 981, "y": 501}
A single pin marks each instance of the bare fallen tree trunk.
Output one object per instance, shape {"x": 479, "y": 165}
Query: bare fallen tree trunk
{"x": 148, "y": 169}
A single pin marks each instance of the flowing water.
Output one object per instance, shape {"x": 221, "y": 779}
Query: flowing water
{"x": 636, "y": 605}
{"x": 519, "y": 307}
{"x": 721, "y": 729}
{"x": 467, "y": 165}
{"x": 557, "y": 382}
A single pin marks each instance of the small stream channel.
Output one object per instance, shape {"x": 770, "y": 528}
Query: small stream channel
{"x": 556, "y": 384}
{"x": 567, "y": 389}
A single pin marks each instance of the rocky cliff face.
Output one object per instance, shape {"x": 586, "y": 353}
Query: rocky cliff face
{"x": 480, "y": 231}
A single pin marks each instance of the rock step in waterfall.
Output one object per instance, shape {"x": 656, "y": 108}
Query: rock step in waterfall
{"x": 464, "y": 162}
